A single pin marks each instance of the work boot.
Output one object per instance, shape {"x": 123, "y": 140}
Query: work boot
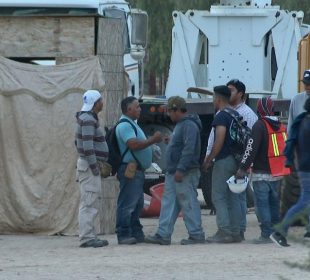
{"x": 237, "y": 238}
{"x": 192, "y": 241}
{"x": 95, "y": 243}
{"x": 220, "y": 237}
{"x": 127, "y": 241}
{"x": 157, "y": 239}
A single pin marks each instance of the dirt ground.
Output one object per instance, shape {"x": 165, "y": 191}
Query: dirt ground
{"x": 53, "y": 257}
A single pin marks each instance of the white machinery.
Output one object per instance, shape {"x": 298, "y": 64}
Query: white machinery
{"x": 248, "y": 40}
{"x": 134, "y": 33}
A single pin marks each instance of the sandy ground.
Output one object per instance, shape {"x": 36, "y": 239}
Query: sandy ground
{"x": 52, "y": 257}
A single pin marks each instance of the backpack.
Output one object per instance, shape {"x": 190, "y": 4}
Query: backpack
{"x": 115, "y": 157}
{"x": 240, "y": 134}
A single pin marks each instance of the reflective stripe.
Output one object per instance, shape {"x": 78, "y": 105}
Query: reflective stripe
{"x": 284, "y": 136}
{"x": 275, "y": 145}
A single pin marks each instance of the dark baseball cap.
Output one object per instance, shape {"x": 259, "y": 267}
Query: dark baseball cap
{"x": 306, "y": 78}
{"x": 237, "y": 84}
{"x": 222, "y": 90}
{"x": 176, "y": 102}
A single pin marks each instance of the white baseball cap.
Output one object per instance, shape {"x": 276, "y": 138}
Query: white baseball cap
{"x": 90, "y": 97}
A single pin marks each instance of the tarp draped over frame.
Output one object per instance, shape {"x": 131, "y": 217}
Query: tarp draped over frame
{"x": 38, "y": 192}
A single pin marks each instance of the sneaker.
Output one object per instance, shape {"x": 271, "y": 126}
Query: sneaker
{"x": 156, "y": 239}
{"x": 192, "y": 241}
{"x": 307, "y": 236}
{"x": 279, "y": 239}
{"x": 94, "y": 243}
{"x": 220, "y": 237}
{"x": 127, "y": 241}
{"x": 262, "y": 240}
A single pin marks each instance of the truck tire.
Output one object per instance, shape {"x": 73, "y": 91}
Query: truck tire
{"x": 205, "y": 184}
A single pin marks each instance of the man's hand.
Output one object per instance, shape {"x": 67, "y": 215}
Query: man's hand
{"x": 157, "y": 137}
{"x": 240, "y": 174}
{"x": 178, "y": 176}
{"x": 206, "y": 164}
{"x": 166, "y": 139}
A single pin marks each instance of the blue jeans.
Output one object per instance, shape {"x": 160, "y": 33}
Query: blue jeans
{"x": 300, "y": 208}
{"x": 244, "y": 210}
{"x": 266, "y": 199}
{"x": 181, "y": 197}
{"x": 227, "y": 203}
{"x": 129, "y": 205}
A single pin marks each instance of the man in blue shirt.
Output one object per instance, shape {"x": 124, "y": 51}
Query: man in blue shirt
{"x": 130, "y": 200}
{"x": 227, "y": 204}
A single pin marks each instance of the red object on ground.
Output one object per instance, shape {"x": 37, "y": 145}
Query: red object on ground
{"x": 153, "y": 210}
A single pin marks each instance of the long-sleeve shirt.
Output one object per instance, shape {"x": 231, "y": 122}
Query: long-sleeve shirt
{"x": 296, "y": 108}
{"x": 90, "y": 140}
{"x": 248, "y": 115}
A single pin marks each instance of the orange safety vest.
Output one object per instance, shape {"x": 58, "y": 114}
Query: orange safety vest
{"x": 276, "y": 145}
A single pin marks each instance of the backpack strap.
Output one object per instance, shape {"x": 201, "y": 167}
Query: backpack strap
{"x": 233, "y": 114}
{"x": 127, "y": 148}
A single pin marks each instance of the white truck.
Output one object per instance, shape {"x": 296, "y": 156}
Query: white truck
{"x": 249, "y": 40}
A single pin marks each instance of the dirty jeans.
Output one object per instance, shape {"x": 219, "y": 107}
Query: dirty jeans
{"x": 227, "y": 203}
{"x": 129, "y": 205}
{"x": 266, "y": 199}
{"x": 244, "y": 210}
{"x": 90, "y": 197}
{"x": 181, "y": 197}
{"x": 300, "y": 208}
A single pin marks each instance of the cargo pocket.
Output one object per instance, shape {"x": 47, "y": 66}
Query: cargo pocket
{"x": 82, "y": 169}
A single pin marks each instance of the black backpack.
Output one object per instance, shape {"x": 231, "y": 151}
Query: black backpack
{"x": 115, "y": 157}
{"x": 240, "y": 134}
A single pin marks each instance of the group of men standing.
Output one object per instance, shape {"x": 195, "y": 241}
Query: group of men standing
{"x": 183, "y": 168}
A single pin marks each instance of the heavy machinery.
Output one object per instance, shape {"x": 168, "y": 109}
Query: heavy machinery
{"x": 263, "y": 46}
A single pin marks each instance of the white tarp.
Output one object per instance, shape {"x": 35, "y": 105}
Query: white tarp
{"x": 38, "y": 192}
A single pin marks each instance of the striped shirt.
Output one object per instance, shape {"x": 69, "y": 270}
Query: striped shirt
{"x": 248, "y": 115}
{"x": 90, "y": 140}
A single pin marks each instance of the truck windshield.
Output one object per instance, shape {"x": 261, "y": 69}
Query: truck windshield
{"x": 117, "y": 13}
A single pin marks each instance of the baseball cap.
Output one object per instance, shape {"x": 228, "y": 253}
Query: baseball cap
{"x": 90, "y": 97}
{"x": 237, "y": 84}
{"x": 306, "y": 78}
{"x": 176, "y": 102}
{"x": 222, "y": 90}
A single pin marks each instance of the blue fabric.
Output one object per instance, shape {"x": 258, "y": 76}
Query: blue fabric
{"x": 292, "y": 140}
{"x": 181, "y": 197}
{"x": 129, "y": 205}
{"x": 266, "y": 199}
{"x": 124, "y": 132}
{"x": 227, "y": 203}
{"x": 303, "y": 148}
{"x": 244, "y": 210}
{"x": 223, "y": 119}
{"x": 302, "y": 206}
{"x": 183, "y": 151}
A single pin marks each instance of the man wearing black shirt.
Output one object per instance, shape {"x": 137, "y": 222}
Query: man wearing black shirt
{"x": 226, "y": 203}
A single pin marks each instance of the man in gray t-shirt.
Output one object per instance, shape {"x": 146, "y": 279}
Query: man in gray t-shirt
{"x": 298, "y": 102}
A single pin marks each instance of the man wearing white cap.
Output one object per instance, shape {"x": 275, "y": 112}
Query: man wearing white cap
{"x": 93, "y": 151}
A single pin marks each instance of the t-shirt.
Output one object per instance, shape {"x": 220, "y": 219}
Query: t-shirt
{"x": 124, "y": 132}
{"x": 223, "y": 119}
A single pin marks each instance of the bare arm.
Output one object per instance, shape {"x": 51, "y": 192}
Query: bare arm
{"x": 135, "y": 144}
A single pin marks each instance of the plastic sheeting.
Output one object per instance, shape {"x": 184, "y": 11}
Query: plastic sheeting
{"x": 38, "y": 192}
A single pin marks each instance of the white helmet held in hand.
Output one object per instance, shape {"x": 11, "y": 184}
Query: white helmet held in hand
{"x": 237, "y": 185}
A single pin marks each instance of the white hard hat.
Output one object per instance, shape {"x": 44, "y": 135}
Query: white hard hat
{"x": 237, "y": 185}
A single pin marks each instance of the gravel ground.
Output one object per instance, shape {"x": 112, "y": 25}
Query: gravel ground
{"x": 53, "y": 257}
